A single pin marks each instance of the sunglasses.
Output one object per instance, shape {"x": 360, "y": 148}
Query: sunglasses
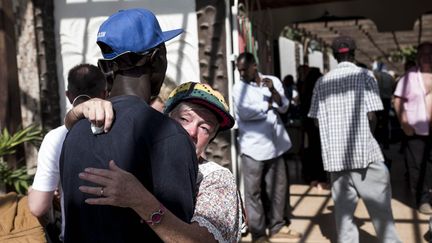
{"x": 126, "y": 61}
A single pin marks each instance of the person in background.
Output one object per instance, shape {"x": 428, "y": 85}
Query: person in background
{"x": 413, "y": 105}
{"x": 290, "y": 92}
{"x": 85, "y": 81}
{"x": 382, "y": 131}
{"x": 158, "y": 102}
{"x": 203, "y": 113}
{"x": 263, "y": 140}
{"x": 312, "y": 164}
{"x": 343, "y": 102}
{"x": 302, "y": 71}
{"x": 134, "y": 61}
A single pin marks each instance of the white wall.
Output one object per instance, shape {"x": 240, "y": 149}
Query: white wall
{"x": 77, "y": 23}
{"x": 288, "y": 64}
{"x": 316, "y": 60}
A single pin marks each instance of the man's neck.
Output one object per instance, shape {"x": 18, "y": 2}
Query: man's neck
{"x": 124, "y": 85}
{"x": 257, "y": 79}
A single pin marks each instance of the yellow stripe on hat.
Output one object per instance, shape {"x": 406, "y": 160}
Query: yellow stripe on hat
{"x": 208, "y": 89}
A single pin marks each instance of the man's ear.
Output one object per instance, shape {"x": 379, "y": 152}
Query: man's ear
{"x": 103, "y": 94}
{"x": 69, "y": 96}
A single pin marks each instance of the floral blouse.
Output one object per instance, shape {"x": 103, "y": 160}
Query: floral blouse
{"x": 218, "y": 205}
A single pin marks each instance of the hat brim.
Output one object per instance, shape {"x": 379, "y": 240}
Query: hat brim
{"x": 226, "y": 121}
{"x": 112, "y": 56}
{"x": 167, "y": 35}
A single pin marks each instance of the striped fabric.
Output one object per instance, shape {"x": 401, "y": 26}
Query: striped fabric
{"x": 341, "y": 100}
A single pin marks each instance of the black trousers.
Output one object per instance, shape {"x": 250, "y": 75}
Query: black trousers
{"x": 418, "y": 156}
{"x": 265, "y": 194}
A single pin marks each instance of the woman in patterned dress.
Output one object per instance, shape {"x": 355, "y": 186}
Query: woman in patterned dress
{"x": 202, "y": 112}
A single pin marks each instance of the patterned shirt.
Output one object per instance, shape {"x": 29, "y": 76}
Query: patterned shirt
{"x": 218, "y": 205}
{"x": 341, "y": 100}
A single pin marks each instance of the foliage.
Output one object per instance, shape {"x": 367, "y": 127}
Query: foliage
{"x": 293, "y": 34}
{"x": 314, "y": 45}
{"x": 16, "y": 178}
{"x": 404, "y": 54}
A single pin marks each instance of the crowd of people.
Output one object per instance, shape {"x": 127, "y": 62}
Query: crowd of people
{"x": 130, "y": 163}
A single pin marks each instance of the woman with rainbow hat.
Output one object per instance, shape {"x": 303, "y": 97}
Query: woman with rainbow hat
{"x": 202, "y": 112}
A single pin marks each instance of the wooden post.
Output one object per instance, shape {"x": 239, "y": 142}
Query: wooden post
{"x": 10, "y": 110}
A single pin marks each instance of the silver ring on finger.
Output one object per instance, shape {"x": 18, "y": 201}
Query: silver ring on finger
{"x": 101, "y": 193}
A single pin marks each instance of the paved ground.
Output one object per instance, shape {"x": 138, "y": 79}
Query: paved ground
{"x": 313, "y": 211}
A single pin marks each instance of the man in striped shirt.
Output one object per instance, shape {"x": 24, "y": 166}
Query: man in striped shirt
{"x": 343, "y": 102}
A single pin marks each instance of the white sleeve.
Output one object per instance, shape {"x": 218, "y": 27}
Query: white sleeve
{"x": 47, "y": 176}
{"x": 277, "y": 84}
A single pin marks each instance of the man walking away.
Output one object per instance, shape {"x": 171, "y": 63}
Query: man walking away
{"x": 343, "y": 102}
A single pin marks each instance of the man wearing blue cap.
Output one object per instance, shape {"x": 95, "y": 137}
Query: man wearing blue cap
{"x": 141, "y": 139}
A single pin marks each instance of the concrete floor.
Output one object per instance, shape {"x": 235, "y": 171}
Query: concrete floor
{"x": 312, "y": 210}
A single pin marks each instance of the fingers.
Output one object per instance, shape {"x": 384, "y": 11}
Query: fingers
{"x": 113, "y": 166}
{"x": 109, "y": 115}
{"x": 96, "y": 112}
{"x": 99, "y": 112}
{"x": 93, "y": 190}
{"x": 97, "y": 177}
{"x": 100, "y": 201}
{"x": 105, "y": 199}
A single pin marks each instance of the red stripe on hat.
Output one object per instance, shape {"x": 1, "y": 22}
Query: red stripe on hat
{"x": 343, "y": 50}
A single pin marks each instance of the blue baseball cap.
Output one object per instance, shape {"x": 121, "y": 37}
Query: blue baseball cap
{"x": 132, "y": 30}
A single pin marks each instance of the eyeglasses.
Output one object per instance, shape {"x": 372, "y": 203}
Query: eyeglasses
{"x": 126, "y": 61}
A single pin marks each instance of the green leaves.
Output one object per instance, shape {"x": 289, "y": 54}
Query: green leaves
{"x": 404, "y": 54}
{"x": 8, "y": 142}
{"x": 17, "y": 178}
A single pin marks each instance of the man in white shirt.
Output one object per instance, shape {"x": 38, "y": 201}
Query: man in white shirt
{"x": 263, "y": 139}
{"x": 85, "y": 81}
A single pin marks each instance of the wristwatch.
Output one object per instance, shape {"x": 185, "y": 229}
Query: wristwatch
{"x": 156, "y": 216}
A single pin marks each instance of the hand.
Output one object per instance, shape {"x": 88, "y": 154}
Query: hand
{"x": 408, "y": 130}
{"x": 117, "y": 187}
{"x": 270, "y": 104}
{"x": 57, "y": 194}
{"x": 268, "y": 83}
{"x": 98, "y": 111}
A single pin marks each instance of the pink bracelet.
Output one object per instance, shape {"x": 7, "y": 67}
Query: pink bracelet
{"x": 156, "y": 216}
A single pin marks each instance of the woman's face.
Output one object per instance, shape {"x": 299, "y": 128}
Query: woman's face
{"x": 200, "y": 123}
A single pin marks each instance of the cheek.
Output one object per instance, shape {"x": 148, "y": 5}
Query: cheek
{"x": 203, "y": 141}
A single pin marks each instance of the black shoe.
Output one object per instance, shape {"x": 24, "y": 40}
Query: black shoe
{"x": 262, "y": 239}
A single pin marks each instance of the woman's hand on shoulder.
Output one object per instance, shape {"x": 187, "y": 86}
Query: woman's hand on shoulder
{"x": 98, "y": 111}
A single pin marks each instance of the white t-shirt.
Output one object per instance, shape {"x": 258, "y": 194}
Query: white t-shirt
{"x": 47, "y": 178}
